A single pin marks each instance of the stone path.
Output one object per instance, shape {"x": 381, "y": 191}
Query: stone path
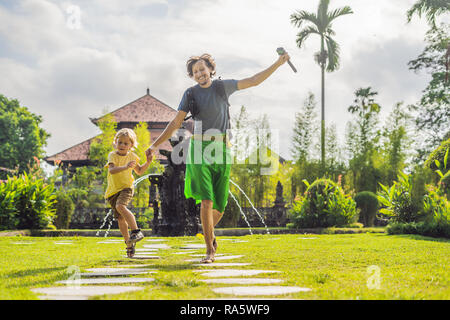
{"x": 110, "y": 280}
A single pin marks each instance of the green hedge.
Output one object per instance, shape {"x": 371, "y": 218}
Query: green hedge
{"x": 324, "y": 205}
{"x": 26, "y": 202}
{"x": 367, "y": 202}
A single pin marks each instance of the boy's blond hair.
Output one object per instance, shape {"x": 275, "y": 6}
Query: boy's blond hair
{"x": 127, "y": 133}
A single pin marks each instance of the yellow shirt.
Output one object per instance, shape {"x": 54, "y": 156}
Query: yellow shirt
{"x": 123, "y": 179}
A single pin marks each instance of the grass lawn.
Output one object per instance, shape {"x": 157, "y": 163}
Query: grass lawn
{"x": 333, "y": 266}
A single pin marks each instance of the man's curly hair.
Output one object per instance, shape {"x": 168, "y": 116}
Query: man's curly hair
{"x": 205, "y": 57}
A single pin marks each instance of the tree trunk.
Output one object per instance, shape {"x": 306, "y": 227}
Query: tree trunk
{"x": 322, "y": 129}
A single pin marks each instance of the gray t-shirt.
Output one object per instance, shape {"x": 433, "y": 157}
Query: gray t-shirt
{"x": 212, "y": 108}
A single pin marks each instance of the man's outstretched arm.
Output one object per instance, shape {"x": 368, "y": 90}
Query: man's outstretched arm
{"x": 263, "y": 75}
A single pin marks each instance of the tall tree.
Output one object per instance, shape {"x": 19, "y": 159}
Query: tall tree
{"x": 21, "y": 137}
{"x": 305, "y": 129}
{"x": 320, "y": 23}
{"x": 430, "y": 8}
{"x": 433, "y": 110}
{"x": 362, "y": 139}
{"x": 396, "y": 142}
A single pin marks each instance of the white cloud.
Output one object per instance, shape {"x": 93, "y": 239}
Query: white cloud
{"x": 122, "y": 47}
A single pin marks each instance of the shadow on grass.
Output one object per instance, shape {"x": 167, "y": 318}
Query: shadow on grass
{"x": 419, "y": 237}
{"x": 160, "y": 267}
{"x": 35, "y": 272}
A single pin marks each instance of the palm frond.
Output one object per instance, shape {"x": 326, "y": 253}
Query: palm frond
{"x": 304, "y": 34}
{"x": 303, "y": 16}
{"x": 333, "y": 54}
{"x": 339, "y": 12}
{"x": 431, "y": 8}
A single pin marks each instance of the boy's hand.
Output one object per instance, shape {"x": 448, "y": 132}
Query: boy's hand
{"x": 131, "y": 164}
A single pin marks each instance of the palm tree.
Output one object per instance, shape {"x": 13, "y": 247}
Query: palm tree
{"x": 320, "y": 24}
{"x": 431, "y": 8}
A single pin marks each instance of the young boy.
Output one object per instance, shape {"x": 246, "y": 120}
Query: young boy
{"x": 119, "y": 191}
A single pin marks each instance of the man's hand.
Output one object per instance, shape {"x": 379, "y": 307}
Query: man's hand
{"x": 283, "y": 58}
{"x": 149, "y": 156}
{"x": 150, "y": 152}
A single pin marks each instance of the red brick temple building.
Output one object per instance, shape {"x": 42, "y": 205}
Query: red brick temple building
{"x": 147, "y": 109}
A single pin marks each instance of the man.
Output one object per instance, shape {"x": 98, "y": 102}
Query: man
{"x": 207, "y": 179}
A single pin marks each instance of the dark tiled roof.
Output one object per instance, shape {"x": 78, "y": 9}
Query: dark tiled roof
{"x": 144, "y": 109}
{"x": 80, "y": 152}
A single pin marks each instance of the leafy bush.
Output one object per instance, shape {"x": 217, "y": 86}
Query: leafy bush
{"x": 64, "y": 210}
{"x": 323, "y": 205}
{"x": 26, "y": 203}
{"x": 367, "y": 202}
{"x": 430, "y": 229}
{"x": 436, "y": 206}
{"x": 398, "y": 201}
{"x": 438, "y": 158}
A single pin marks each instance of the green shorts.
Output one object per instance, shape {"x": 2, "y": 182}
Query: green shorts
{"x": 208, "y": 166}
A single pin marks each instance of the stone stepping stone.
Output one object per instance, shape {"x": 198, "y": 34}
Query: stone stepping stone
{"x": 107, "y": 242}
{"x": 193, "y": 246}
{"x": 222, "y": 264}
{"x": 202, "y": 255}
{"x": 86, "y": 291}
{"x": 217, "y": 258}
{"x": 113, "y": 269}
{"x": 306, "y": 238}
{"x": 147, "y": 253}
{"x": 143, "y": 257}
{"x": 63, "y": 242}
{"x": 22, "y": 242}
{"x": 102, "y": 272}
{"x": 133, "y": 266}
{"x": 259, "y": 290}
{"x": 156, "y": 246}
{"x": 145, "y": 250}
{"x": 105, "y": 281}
{"x": 63, "y": 297}
{"x": 185, "y": 252}
{"x": 112, "y": 241}
{"x": 232, "y": 272}
{"x": 242, "y": 281}
{"x": 154, "y": 240}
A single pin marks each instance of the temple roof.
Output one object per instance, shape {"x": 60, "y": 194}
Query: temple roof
{"x": 80, "y": 151}
{"x": 144, "y": 109}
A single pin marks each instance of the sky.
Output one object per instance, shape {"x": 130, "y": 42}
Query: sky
{"x": 69, "y": 61}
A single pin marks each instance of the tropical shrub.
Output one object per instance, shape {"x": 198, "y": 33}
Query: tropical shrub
{"x": 64, "y": 210}
{"x": 367, "y": 202}
{"x": 430, "y": 229}
{"x": 397, "y": 201}
{"x": 26, "y": 203}
{"x": 437, "y": 160}
{"x": 436, "y": 206}
{"x": 324, "y": 204}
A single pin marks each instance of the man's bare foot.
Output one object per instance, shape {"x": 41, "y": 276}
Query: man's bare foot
{"x": 215, "y": 245}
{"x": 208, "y": 259}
